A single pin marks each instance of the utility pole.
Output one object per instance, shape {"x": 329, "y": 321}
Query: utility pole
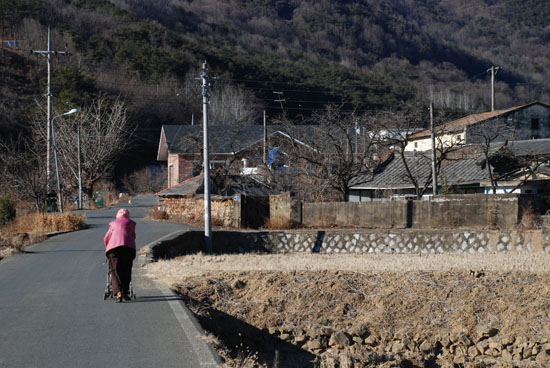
{"x": 206, "y": 165}
{"x": 434, "y": 157}
{"x": 493, "y": 70}
{"x": 356, "y": 138}
{"x": 265, "y": 139}
{"x": 49, "y": 54}
{"x": 281, "y": 100}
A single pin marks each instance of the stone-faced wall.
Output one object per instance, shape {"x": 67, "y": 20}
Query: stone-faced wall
{"x": 362, "y": 241}
{"x": 225, "y": 211}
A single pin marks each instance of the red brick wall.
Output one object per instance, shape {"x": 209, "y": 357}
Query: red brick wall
{"x": 182, "y": 169}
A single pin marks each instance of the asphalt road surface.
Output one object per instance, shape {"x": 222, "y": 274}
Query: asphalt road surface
{"x": 52, "y": 312}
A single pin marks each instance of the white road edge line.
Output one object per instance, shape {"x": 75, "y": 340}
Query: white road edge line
{"x": 190, "y": 326}
{"x": 193, "y": 334}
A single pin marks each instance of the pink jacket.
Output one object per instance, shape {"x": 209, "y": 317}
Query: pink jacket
{"x": 122, "y": 232}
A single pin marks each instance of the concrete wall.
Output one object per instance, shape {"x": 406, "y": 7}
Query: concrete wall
{"x": 357, "y": 241}
{"x": 474, "y": 211}
{"x": 284, "y": 209}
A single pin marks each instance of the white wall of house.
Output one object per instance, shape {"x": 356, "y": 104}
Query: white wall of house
{"x": 425, "y": 144}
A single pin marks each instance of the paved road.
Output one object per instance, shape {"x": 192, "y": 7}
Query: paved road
{"x": 52, "y": 312}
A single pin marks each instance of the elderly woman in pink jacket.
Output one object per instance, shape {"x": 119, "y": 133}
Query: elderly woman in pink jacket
{"x": 120, "y": 243}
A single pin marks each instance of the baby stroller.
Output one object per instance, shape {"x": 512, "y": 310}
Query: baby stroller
{"x": 109, "y": 287}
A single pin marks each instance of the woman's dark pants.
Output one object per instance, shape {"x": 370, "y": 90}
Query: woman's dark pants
{"x": 120, "y": 265}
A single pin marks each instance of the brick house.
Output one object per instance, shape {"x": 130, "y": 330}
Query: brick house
{"x": 243, "y": 149}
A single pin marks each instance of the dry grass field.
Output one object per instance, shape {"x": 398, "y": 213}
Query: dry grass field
{"x": 315, "y": 310}
{"x": 34, "y": 227}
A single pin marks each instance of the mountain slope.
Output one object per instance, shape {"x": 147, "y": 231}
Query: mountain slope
{"x": 366, "y": 54}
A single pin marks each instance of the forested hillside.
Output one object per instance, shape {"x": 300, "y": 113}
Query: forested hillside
{"x": 367, "y": 54}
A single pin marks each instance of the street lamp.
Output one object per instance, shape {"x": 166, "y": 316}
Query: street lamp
{"x": 60, "y": 198}
{"x": 79, "y": 167}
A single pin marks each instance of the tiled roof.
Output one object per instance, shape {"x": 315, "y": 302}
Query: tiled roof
{"x": 464, "y": 171}
{"x": 187, "y": 187}
{"x": 187, "y": 139}
{"x": 530, "y": 147}
{"x": 223, "y": 139}
{"x": 237, "y": 185}
{"x": 460, "y": 124}
{"x": 467, "y": 168}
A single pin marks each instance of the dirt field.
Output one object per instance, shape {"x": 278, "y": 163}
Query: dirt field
{"x": 314, "y": 310}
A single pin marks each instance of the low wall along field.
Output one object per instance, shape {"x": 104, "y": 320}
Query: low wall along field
{"x": 360, "y": 241}
{"x": 441, "y": 212}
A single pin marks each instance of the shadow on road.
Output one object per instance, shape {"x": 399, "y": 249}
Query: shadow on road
{"x": 63, "y": 251}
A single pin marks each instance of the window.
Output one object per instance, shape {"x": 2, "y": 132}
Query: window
{"x": 534, "y": 123}
{"x": 415, "y": 144}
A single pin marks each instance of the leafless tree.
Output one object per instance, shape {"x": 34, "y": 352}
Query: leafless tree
{"x": 146, "y": 180}
{"x": 397, "y": 130}
{"x": 333, "y": 151}
{"x": 487, "y": 135}
{"x": 23, "y": 170}
{"x": 105, "y": 133}
{"x": 231, "y": 104}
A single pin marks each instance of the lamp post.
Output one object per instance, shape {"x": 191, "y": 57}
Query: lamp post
{"x": 60, "y": 198}
{"x": 79, "y": 167}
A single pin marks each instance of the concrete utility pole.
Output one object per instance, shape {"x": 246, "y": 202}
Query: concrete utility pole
{"x": 206, "y": 165}
{"x": 493, "y": 70}
{"x": 49, "y": 54}
{"x": 434, "y": 156}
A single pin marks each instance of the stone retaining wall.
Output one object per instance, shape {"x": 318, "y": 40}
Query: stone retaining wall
{"x": 358, "y": 241}
{"x": 486, "y": 345}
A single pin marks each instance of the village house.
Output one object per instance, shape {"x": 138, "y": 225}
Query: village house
{"x": 243, "y": 150}
{"x": 516, "y": 167}
{"x": 531, "y": 121}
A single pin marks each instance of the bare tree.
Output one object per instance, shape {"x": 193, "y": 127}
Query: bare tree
{"x": 398, "y": 128}
{"x": 105, "y": 133}
{"x": 23, "y": 170}
{"x": 487, "y": 135}
{"x": 146, "y": 180}
{"x": 232, "y": 104}
{"x": 332, "y": 152}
